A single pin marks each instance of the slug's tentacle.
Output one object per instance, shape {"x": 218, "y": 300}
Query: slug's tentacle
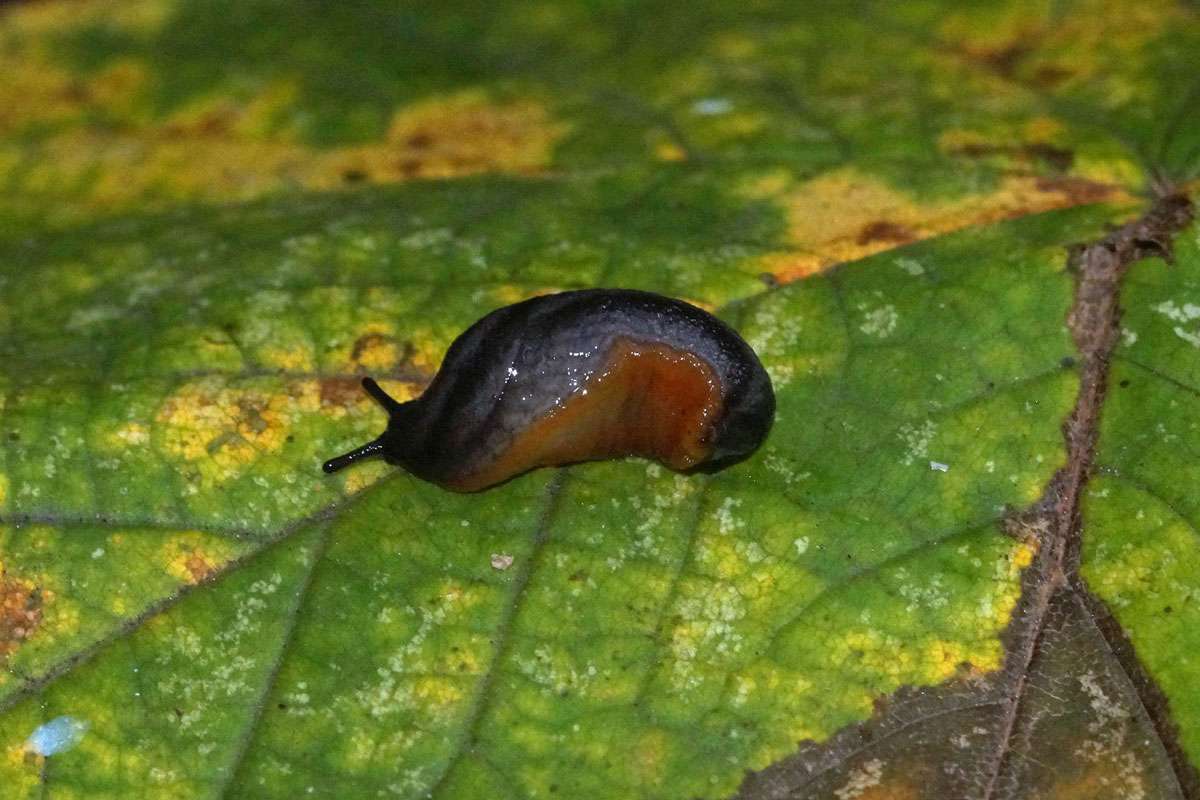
{"x": 372, "y": 448}
{"x": 389, "y": 403}
{"x": 376, "y": 446}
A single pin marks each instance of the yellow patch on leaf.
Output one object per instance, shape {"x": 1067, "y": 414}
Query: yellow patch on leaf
{"x": 943, "y": 659}
{"x": 287, "y": 359}
{"x": 35, "y": 90}
{"x": 46, "y": 19}
{"x": 846, "y": 215}
{"x": 1008, "y": 573}
{"x": 221, "y": 147}
{"x": 437, "y": 694}
{"x": 463, "y": 134}
{"x": 1050, "y": 51}
{"x": 365, "y": 475}
{"x": 193, "y": 557}
{"x": 667, "y": 150}
{"x": 118, "y": 89}
{"x": 649, "y": 755}
{"x": 1023, "y": 555}
{"x": 222, "y": 429}
{"x": 375, "y": 346}
{"x": 54, "y": 89}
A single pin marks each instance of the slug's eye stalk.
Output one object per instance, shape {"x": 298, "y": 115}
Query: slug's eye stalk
{"x": 389, "y": 403}
{"x": 374, "y": 447}
{"x": 369, "y": 449}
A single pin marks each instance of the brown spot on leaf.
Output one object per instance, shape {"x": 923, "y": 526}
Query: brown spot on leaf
{"x": 975, "y": 149}
{"x": 886, "y": 231}
{"x": 1078, "y": 190}
{"x": 343, "y": 392}
{"x": 75, "y": 91}
{"x": 20, "y": 611}
{"x": 250, "y": 414}
{"x": 1050, "y": 76}
{"x": 210, "y": 123}
{"x": 1058, "y": 158}
{"x": 409, "y": 167}
{"x": 1003, "y": 60}
{"x": 419, "y": 141}
{"x": 198, "y": 567}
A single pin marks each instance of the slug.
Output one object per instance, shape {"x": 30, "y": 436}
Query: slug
{"x": 579, "y": 376}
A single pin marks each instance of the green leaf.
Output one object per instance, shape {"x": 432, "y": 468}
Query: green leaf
{"x": 769, "y": 603}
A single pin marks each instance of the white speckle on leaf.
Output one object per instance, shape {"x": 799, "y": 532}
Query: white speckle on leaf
{"x": 712, "y": 106}
{"x": 911, "y": 266}
{"x": 56, "y": 736}
{"x": 801, "y": 545}
{"x": 939, "y": 466}
{"x": 1110, "y": 731}
{"x": 861, "y": 778}
{"x": 86, "y": 317}
{"x": 726, "y": 521}
{"x": 752, "y": 552}
{"x": 1187, "y": 312}
{"x": 706, "y": 631}
{"x": 427, "y": 239}
{"x": 929, "y": 594}
{"x": 1128, "y": 337}
{"x": 917, "y": 439}
{"x": 880, "y": 322}
{"x": 1191, "y": 338}
{"x": 160, "y": 775}
{"x": 501, "y": 561}
{"x": 774, "y": 332}
{"x": 783, "y": 468}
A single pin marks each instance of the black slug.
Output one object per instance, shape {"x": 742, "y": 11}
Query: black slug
{"x": 579, "y": 376}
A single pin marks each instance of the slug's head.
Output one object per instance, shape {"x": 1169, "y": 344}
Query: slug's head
{"x": 389, "y": 442}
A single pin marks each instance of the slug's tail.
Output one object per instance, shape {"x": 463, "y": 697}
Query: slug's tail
{"x": 369, "y": 449}
{"x": 372, "y": 448}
